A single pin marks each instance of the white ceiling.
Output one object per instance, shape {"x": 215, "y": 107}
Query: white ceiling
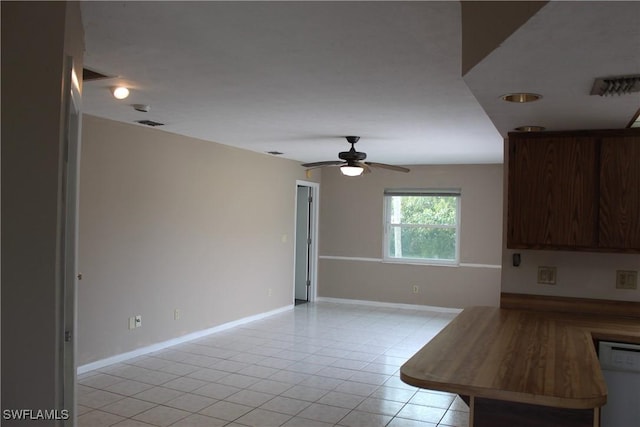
{"x": 296, "y": 77}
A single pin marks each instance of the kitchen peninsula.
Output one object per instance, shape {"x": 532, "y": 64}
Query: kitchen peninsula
{"x": 519, "y": 367}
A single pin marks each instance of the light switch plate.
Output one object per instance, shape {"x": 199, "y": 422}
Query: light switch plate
{"x": 626, "y": 279}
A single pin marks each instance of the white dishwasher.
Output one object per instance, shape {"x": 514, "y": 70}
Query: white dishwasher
{"x": 620, "y": 363}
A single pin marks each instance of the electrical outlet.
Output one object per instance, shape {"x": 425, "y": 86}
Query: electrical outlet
{"x": 546, "y": 275}
{"x": 270, "y": 292}
{"x": 132, "y": 322}
{"x": 176, "y": 314}
{"x": 416, "y": 289}
{"x": 138, "y": 321}
{"x": 626, "y": 279}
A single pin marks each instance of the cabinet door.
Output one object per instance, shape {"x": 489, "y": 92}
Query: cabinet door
{"x": 620, "y": 193}
{"x": 551, "y": 197}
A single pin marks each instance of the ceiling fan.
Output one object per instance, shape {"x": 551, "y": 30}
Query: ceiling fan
{"x": 352, "y": 164}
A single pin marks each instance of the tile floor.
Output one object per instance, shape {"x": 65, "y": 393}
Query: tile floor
{"x": 320, "y": 364}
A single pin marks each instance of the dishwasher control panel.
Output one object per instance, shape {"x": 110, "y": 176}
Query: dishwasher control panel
{"x": 619, "y": 356}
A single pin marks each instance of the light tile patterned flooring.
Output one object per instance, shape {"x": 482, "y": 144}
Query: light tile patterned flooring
{"x": 320, "y": 364}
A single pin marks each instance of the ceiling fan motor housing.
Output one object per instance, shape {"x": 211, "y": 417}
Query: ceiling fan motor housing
{"x": 352, "y": 155}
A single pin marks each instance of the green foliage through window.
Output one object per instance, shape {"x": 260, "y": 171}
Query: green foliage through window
{"x": 422, "y": 226}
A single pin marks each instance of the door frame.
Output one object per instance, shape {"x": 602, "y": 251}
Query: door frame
{"x": 313, "y": 233}
{"x": 68, "y": 229}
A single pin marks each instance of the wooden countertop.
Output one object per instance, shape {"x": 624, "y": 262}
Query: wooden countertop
{"x": 521, "y": 356}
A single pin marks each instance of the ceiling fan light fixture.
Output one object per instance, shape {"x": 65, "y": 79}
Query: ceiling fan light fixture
{"x": 348, "y": 170}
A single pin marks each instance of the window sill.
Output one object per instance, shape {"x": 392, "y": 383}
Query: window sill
{"x": 426, "y": 262}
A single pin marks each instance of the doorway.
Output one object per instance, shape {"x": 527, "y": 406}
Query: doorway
{"x": 305, "y": 242}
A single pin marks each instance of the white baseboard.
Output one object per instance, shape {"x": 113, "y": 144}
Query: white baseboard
{"x": 390, "y": 305}
{"x": 188, "y": 337}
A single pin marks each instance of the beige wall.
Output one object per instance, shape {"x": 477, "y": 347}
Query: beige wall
{"x": 170, "y": 222}
{"x": 36, "y": 38}
{"x": 351, "y": 226}
{"x": 579, "y": 274}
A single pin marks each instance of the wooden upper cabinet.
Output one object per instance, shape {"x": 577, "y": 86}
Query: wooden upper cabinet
{"x": 551, "y": 192}
{"x": 620, "y": 193}
{"x": 574, "y": 190}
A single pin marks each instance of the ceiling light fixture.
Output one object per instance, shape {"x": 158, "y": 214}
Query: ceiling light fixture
{"x": 530, "y": 128}
{"x": 143, "y": 108}
{"x": 521, "y": 97}
{"x": 350, "y": 170}
{"x": 120, "y": 92}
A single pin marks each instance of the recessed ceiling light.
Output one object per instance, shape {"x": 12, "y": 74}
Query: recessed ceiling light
{"x": 120, "y": 92}
{"x": 530, "y": 128}
{"x": 521, "y": 97}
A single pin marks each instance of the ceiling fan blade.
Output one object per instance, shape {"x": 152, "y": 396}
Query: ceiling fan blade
{"x": 366, "y": 168}
{"x": 321, "y": 164}
{"x": 390, "y": 167}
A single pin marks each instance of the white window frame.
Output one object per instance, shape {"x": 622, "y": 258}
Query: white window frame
{"x": 388, "y": 193}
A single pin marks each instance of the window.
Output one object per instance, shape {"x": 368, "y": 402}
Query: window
{"x": 422, "y": 225}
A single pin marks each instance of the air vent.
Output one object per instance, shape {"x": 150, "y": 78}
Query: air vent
{"x": 149, "y": 123}
{"x": 605, "y": 86}
{"x": 89, "y": 75}
{"x": 275, "y": 153}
